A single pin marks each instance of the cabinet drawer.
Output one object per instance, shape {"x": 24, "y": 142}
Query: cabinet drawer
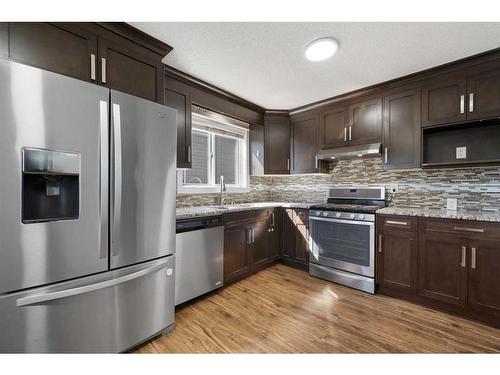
{"x": 464, "y": 228}
{"x": 399, "y": 222}
{"x": 232, "y": 218}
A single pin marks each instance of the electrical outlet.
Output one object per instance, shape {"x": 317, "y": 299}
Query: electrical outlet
{"x": 461, "y": 152}
{"x": 451, "y": 204}
{"x": 394, "y": 188}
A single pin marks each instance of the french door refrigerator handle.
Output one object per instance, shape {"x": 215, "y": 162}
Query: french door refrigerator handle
{"x": 117, "y": 180}
{"x": 103, "y": 180}
{"x": 38, "y": 298}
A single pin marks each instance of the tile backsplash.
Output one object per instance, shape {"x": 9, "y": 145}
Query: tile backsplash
{"x": 474, "y": 187}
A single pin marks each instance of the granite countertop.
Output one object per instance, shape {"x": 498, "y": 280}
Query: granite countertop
{"x": 441, "y": 213}
{"x": 203, "y": 211}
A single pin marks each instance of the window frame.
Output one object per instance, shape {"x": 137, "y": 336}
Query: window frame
{"x": 242, "y": 168}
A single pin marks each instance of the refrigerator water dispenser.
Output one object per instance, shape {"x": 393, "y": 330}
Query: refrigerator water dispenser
{"x": 51, "y": 185}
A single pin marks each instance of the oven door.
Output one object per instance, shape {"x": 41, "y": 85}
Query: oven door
{"x": 343, "y": 244}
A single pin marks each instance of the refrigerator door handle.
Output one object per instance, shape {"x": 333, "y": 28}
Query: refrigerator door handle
{"x": 103, "y": 181}
{"x": 39, "y": 298}
{"x": 117, "y": 180}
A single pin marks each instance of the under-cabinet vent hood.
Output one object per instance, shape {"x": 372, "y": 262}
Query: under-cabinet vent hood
{"x": 350, "y": 152}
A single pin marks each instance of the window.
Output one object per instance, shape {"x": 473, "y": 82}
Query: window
{"x": 219, "y": 148}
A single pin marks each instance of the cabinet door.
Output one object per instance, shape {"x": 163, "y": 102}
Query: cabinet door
{"x": 484, "y": 275}
{"x": 130, "y": 68}
{"x": 483, "y": 92}
{"x": 260, "y": 247}
{"x": 333, "y": 128}
{"x": 442, "y": 271}
{"x": 4, "y": 40}
{"x": 182, "y": 103}
{"x": 277, "y": 144}
{"x": 256, "y": 150}
{"x": 301, "y": 248}
{"x": 63, "y": 48}
{"x": 288, "y": 234}
{"x": 402, "y": 130}
{"x": 397, "y": 260}
{"x": 304, "y": 144}
{"x": 365, "y": 122}
{"x": 276, "y": 225}
{"x": 236, "y": 254}
{"x": 443, "y": 102}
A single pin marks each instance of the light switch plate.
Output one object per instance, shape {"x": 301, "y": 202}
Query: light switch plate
{"x": 461, "y": 152}
{"x": 451, "y": 204}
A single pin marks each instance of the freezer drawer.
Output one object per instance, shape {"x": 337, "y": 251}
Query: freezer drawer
{"x": 106, "y": 313}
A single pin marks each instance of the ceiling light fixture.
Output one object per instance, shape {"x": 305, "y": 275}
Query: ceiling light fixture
{"x": 321, "y": 49}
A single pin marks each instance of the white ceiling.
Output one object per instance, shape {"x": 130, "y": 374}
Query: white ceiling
{"x": 265, "y": 64}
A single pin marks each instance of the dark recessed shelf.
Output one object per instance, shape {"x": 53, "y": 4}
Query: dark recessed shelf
{"x": 480, "y": 139}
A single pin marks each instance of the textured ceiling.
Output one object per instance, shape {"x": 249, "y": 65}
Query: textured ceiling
{"x": 265, "y": 64}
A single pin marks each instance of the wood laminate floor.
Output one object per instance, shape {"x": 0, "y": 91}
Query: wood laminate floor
{"x": 284, "y": 310}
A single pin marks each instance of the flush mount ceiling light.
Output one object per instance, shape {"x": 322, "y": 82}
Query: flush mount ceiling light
{"x": 321, "y": 49}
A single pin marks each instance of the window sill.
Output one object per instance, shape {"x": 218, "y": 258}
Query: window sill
{"x": 211, "y": 190}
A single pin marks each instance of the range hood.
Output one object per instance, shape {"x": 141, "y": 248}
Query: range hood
{"x": 350, "y": 152}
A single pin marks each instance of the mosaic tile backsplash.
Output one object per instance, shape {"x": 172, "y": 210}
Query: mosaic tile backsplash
{"x": 474, "y": 187}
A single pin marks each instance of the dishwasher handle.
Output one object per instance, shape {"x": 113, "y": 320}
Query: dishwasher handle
{"x": 190, "y": 225}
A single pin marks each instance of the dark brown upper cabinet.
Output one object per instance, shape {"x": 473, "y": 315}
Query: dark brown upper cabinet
{"x": 64, "y": 48}
{"x": 277, "y": 144}
{"x": 304, "y": 144}
{"x": 365, "y": 122}
{"x": 402, "y": 130}
{"x": 4, "y": 40}
{"x": 182, "y": 103}
{"x": 256, "y": 150}
{"x": 333, "y": 127}
{"x": 111, "y": 54}
{"x": 443, "y": 100}
{"x": 130, "y": 68}
{"x": 483, "y": 91}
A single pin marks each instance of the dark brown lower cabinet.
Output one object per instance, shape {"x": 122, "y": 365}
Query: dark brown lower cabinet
{"x": 448, "y": 264}
{"x": 484, "y": 275}
{"x": 260, "y": 245}
{"x": 442, "y": 268}
{"x": 295, "y": 249}
{"x": 236, "y": 252}
{"x": 397, "y": 260}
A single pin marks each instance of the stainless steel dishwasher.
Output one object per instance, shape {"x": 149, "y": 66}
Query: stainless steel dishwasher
{"x": 199, "y": 258}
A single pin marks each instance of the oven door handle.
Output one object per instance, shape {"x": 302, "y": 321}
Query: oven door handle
{"x": 330, "y": 220}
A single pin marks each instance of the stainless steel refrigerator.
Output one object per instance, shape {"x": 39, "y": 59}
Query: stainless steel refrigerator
{"x": 87, "y": 215}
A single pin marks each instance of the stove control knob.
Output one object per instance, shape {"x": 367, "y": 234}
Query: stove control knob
{"x": 352, "y": 216}
{"x": 361, "y": 216}
{"x": 338, "y": 214}
{"x": 325, "y": 213}
{"x": 318, "y": 213}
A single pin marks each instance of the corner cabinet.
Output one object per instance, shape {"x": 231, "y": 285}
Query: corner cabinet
{"x": 402, "y": 129}
{"x": 257, "y": 155}
{"x": 277, "y": 143}
{"x": 304, "y": 144}
{"x": 114, "y": 55}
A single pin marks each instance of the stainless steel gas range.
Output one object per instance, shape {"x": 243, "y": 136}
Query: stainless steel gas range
{"x": 342, "y": 236}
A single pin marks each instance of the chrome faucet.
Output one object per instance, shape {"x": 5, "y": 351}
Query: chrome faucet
{"x": 222, "y": 190}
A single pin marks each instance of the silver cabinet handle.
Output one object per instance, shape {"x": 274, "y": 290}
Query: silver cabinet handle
{"x": 317, "y": 162}
{"x": 92, "y": 67}
{"x": 249, "y": 237}
{"x": 393, "y": 222}
{"x": 474, "y": 230}
{"x": 288, "y": 164}
{"x": 473, "y": 258}
{"x": 103, "y": 70}
{"x": 117, "y": 180}
{"x": 350, "y": 133}
{"x": 462, "y": 104}
{"x": 189, "y": 154}
{"x": 379, "y": 243}
{"x": 103, "y": 181}
{"x": 385, "y": 155}
{"x": 345, "y": 133}
{"x": 38, "y": 298}
{"x": 464, "y": 251}
{"x": 272, "y": 219}
{"x": 471, "y": 102}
